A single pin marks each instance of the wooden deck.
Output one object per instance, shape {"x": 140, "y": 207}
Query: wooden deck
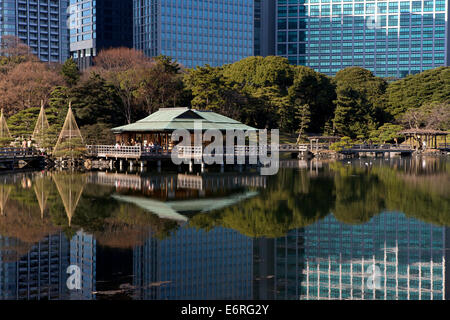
{"x": 444, "y": 147}
{"x": 140, "y": 153}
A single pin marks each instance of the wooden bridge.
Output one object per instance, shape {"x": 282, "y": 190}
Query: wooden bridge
{"x": 13, "y": 158}
{"x": 378, "y": 149}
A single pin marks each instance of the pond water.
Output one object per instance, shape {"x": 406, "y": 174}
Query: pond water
{"x": 360, "y": 229}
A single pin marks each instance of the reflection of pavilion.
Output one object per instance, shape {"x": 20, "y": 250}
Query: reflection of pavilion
{"x": 178, "y": 181}
{"x": 175, "y": 210}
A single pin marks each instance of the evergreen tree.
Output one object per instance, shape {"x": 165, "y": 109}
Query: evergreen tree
{"x": 70, "y": 72}
{"x": 303, "y": 116}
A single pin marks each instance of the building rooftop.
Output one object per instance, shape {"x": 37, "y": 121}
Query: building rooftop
{"x": 170, "y": 119}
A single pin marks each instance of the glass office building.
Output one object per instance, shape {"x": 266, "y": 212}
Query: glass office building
{"x": 41, "y": 24}
{"x": 98, "y": 24}
{"x": 195, "y": 32}
{"x": 390, "y": 38}
{"x": 391, "y": 257}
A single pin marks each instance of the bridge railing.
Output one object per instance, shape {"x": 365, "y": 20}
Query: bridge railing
{"x": 444, "y": 145}
{"x": 385, "y": 146}
{"x": 9, "y": 153}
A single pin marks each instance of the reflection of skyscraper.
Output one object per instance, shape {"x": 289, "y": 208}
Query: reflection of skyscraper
{"x": 195, "y": 264}
{"x": 39, "y": 274}
{"x": 331, "y": 260}
{"x": 83, "y": 255}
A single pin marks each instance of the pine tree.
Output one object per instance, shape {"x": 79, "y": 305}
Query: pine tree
{"x": 42, "y": 127}
{"x": 70, "y": 143}
{"x": 70, "y": 72}
{"x": 303, "y": 115}
{"x": 5, "y": 135}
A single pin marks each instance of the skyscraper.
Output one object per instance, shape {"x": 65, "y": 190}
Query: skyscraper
{"x": 97, "y": 25}
{"x": 264, "y": 25}
{"x": 195, "y": 32}
{"x": 41, "y": 24}
{"x": 390, "y": 38}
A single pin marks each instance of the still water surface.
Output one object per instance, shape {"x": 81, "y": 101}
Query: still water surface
{"x": 365, "y": 229}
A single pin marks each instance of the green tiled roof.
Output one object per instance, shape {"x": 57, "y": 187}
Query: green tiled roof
{"x": 169, "y": 119}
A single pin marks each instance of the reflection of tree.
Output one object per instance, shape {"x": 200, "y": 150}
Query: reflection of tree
{"x": 359, "y": 196}
{"x": 354, "y": 195}
{"x": 5, "y": 190}
{"x": 291, "y": 201}
{"x": 113, "y": 224}
{"x": 70, "y": 188}
{"x": 41, "y": 189}
{"x": 363, "y": 193}
{"x": 23, "y": 224}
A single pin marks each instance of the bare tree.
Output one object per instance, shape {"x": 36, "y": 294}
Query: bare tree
{"x": 125, "y": 69}
{"x": 26, "y": 85}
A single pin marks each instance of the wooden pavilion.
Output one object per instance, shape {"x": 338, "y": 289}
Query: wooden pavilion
{"x": 427, "y": 136}
{"x": 158, "y": 127}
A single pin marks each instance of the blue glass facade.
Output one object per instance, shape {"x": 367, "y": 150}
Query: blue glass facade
{"x": 195, "y": 32}
{"x": 333, "y": 260}
{"x": 41, "y": 24}
{"x": 195, "y": 264}
{"x": 98, "y": 24}
{"x": 390, "y": 38}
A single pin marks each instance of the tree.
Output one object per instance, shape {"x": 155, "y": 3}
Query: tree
{"x": 70, "y": 144}
{"x": 387, "y": 132}
{"x": 95, "y": 101}
{"x": 125, "y": 69}
{"x": 13, "y": 52}
{"x": 70, "y": 72}
{"x": 162, "y": 86}
{"x": 429, "y": 116}
{"x": 22, "y": 123}
{"x": 352, "y": 117}
{"x": 318, "y": 92}
{"x": 370, "y": 88}
{"x": 304, "y": 118}
{"x": 415, "y": 90}
{"x": 26, "y": 85}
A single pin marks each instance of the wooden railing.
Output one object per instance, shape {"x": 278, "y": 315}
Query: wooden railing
{"x": 185, "y": 151}
{"x": 391, "y": 147}
{"x": 11, "y": 153}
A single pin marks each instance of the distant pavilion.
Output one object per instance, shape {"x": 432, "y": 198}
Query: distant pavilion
{"x": 158, "y": 127}
{"x": 429, "y": 136}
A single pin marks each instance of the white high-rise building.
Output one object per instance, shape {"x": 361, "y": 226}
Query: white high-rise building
{"x": 41, "y": 24}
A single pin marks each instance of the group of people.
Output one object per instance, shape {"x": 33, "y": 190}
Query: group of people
{"x": 148, "y": 147}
